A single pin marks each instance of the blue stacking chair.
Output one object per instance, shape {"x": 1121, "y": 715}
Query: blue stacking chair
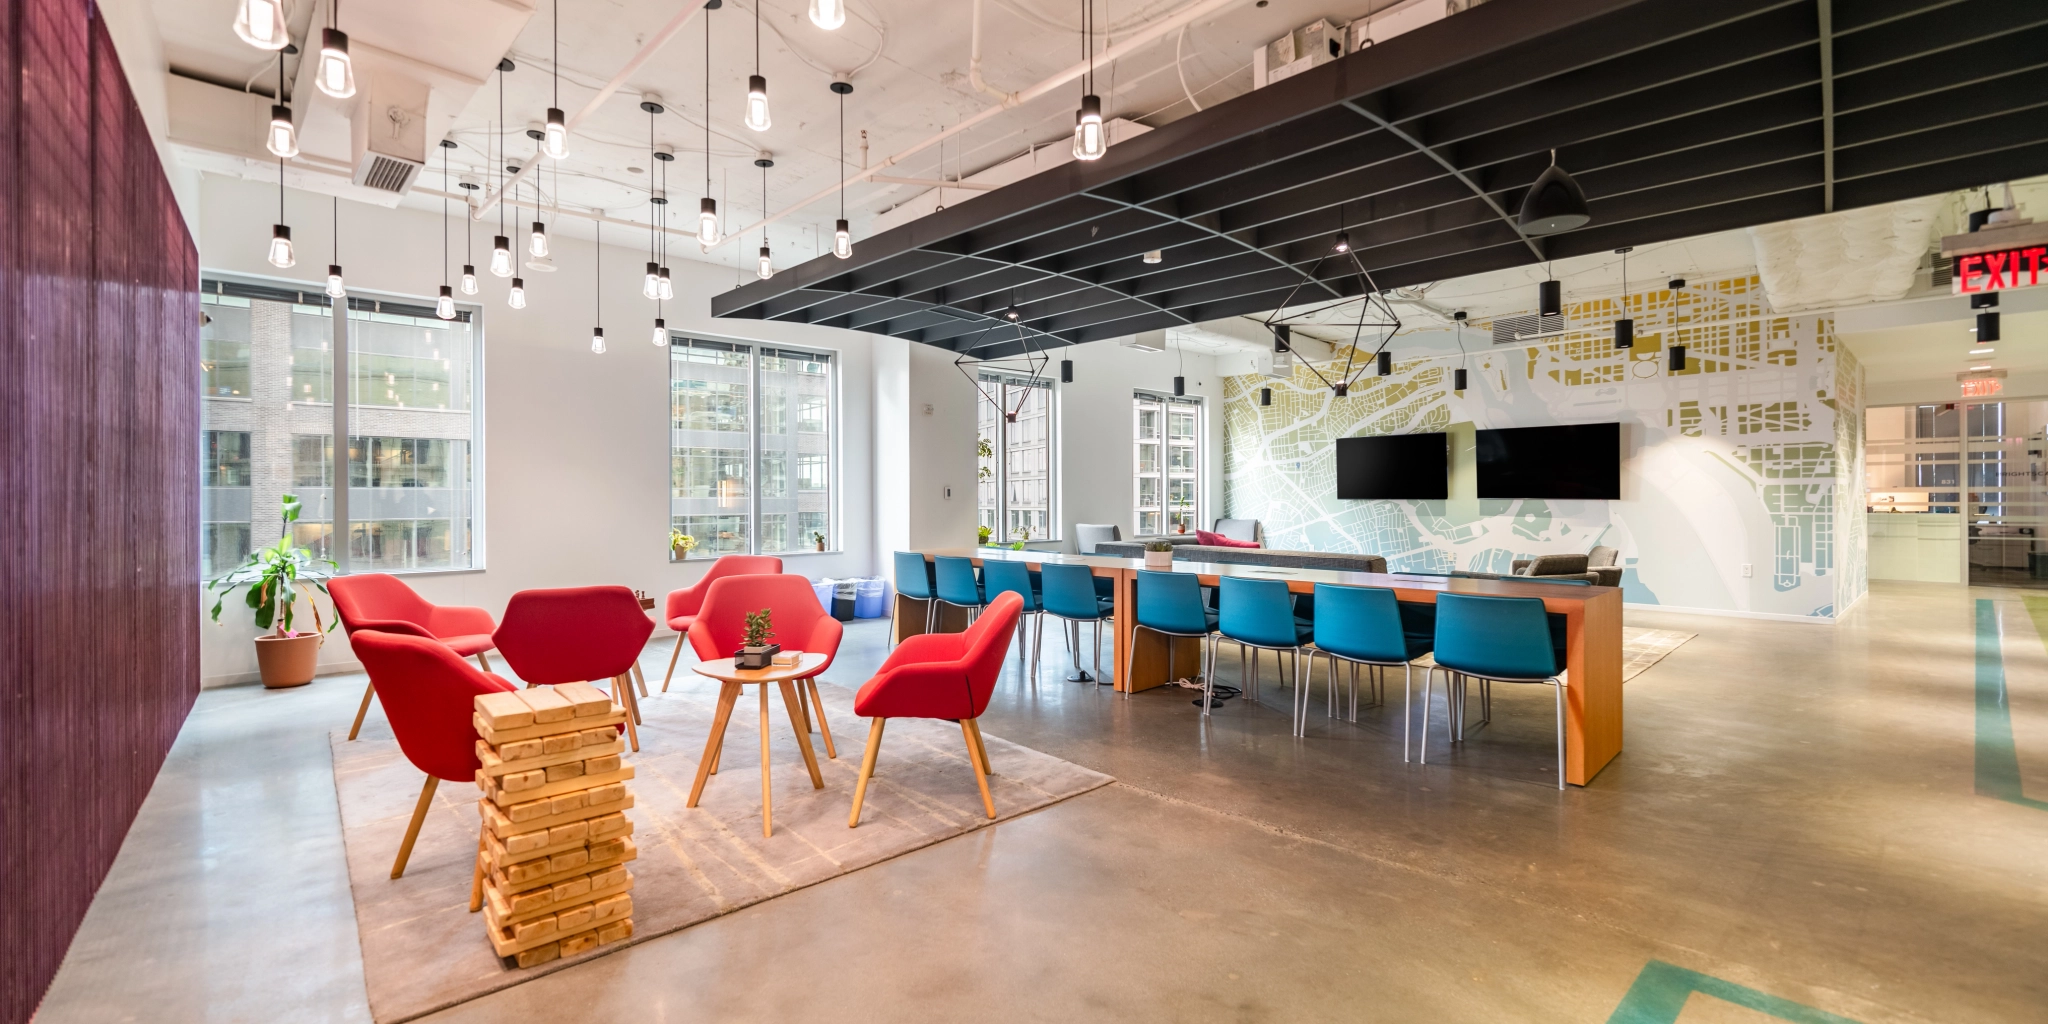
{"x": 954, "y": 582}
{"x": 1496, "y": 639}
{"x": 1258, "y": 615}
{"x": 1170, "y": 603}
{"x": 998, "y": 576}
{"x": 1070, "y": 594}
{"x": 1363, "y": 626}
{"x": 914, "y": 580}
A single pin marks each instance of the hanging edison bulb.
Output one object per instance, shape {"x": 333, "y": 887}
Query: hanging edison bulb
{"x": 707, "y": 221}
{"x": 501, "y": 256}
{"x": 537, "y": 242}
{"x": 842, "y": 241}
{"x": 516, "y": 298}
{"x": 282, "y": 140}
{"x": 660, "y": 338}
{"x": 757, "y": 103}
{"x": 828, "y": 14}
{"x": 597, "y": 341}
{"x": 554, "y": 140}
{"x": 444, "y": 307}
{"x": 767, "y": 266}
{"x": 650, "y": 285}
{"x": 1089, "y": 143}
{"x": 335, "y": 289}
{"x": 336, "y": 74}
{"x": 668, "y": 289}
{"x": 281, "y": 246}
{"x": 468, "y": 279}
{"x": 260, "y": 23}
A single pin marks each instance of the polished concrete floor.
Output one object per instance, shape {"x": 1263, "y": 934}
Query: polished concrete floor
{"x": 1847, "y": 820}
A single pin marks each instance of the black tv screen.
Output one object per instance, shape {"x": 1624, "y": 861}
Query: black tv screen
{"x": 1581, "y": 460}
{"x": 1393, "y": 466}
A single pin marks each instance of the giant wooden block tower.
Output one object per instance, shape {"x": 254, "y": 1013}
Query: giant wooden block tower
{"x": 551, "y": 873}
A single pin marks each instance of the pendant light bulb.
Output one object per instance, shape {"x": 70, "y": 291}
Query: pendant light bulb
{"x": 281, "y": 246}
{"x": 828, "y": 14}
{"x": 707, "y": 222}
{"x": 1343, "y": 243}
{"x": 757, "y": 103}
{"x": 260, "y": 23}
{"x": 283, "y": 139}
{"x": 668, "y": 288}
{"x": 537, "y": 243}
{"x": 1089, "y": 141}
{"x": 597, "y": 341}
{"x": 767, "y": 267}
{"x": 842, "y": 240}
{"x": 336, "y": 75}
{"x": 468, "y": 279}
{"x": 517, "y": 297}
{"x": 554, "y": 140}
{"x": 501, "y": 256}
{"x": 650, "y": 285}
{"x": 660, "y": 338}
{"x": 444, "y": 307}
{"x": 335, "y": 289}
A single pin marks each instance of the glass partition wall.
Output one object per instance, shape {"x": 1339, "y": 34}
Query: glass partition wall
{"x": 1980, "y": 461}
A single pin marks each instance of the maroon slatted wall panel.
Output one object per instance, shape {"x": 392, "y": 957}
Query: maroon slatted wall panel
{"x": 99, "y": 498}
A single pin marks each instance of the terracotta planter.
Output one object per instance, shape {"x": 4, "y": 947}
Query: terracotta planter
{"x": 288, "y": 660}
{"x": 682, "y": 554}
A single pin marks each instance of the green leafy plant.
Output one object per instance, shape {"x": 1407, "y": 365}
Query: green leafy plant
{"x": 1023, "y": 533}
{"x": 1158, "y": 545}
{"x": 273, "y": 577}
{"x": 982, "y": 535}
{"x": 759, "y": 629}
{"x": 818, "y": 537}
{"x": 985, "y": 452}
{"x": 681, "y": 543}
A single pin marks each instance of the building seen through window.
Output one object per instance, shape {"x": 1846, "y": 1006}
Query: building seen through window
{"x": 1014, "y": 493}
{"x": 1166, "y": 462}
{"x": 751, "y": 447}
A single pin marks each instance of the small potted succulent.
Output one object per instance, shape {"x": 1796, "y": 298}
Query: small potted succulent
{"x": 274, "y": 576}
{"x": 1158, "y": 554}
{"x": 755, "y": 650}
{"x": 982, "y": 535}
{"x": 680, "y": 544}
{"x": 819, "y": 537}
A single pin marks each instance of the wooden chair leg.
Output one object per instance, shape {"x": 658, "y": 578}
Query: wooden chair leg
{"x": 980, "y": 745}
{"x": 412, "y": 831}
{"x": 639, "y": 678}
{"x": 867, "y": 770}
{"x": 476, "y": 878}
{"x": 803, "y": 704}
{"x": 623, "y": 688}
{"x": 369, "y": 691}
{"x": 672, "y": 659}
{"x": 483, "y": 661}
{"x": 823, "y": 726}
{"x": 974, "y": 762}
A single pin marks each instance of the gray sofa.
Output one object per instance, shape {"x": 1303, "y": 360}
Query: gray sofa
{"x": 1596, "y": 567}
{"x": 1185, "y": 550}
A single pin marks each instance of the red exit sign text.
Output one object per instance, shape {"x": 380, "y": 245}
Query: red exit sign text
{"x": 2000, "y": 271}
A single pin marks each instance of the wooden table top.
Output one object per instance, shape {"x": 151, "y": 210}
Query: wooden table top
{"x": 1031, "y": 557}
{"x": 723, "y": 670}
{"x": 1304, "y": 580}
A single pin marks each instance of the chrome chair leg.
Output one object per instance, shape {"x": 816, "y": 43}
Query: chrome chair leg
{"x": 1428, "y": 687}
{"x": 1098, "y": 649}
{"x": 1559, "y": 687}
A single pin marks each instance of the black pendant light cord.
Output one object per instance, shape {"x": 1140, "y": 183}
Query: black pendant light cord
{"x": 498, "y": 165}
{"x": 557, "y": 59}
{"x": 597, "y": 278}
{"x": 842, "y": 156}
{"x": 280, "y": 190}
{"x": 337, "y": 231}
{"x": 757, "y": 37}
{"x": 444, "y": 216}
{"x": 707, "y": 104}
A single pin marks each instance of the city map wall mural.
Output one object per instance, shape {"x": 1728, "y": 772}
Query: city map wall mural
{"x": 1751, "y": 455}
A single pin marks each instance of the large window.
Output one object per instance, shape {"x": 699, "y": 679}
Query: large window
{"x": 1014, "y": 494}
{"x": 745, "y": 475}
{"x": 1166, "y": 462}
{"x": 267, "y": 380}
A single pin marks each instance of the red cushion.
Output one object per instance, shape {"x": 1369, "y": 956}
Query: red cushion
{"x": 1219, "y": 540}
{"x": 470, "y": 645}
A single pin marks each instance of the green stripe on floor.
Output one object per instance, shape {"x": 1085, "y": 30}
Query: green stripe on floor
{"x": 1998, "y": 760}
{"x": 1660, "y": 992}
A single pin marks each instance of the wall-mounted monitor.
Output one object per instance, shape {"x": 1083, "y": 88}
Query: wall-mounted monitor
{"x": 1579, "y": 460}
{"x": 1390, "y": 466}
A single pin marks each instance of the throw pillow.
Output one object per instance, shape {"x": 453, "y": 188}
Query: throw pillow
{"x": 1219, "y": 540}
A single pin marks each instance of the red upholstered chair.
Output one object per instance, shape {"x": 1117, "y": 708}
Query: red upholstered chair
{"x": 384, "y": 603}
{"x": 429, "y": 695}
{"x": 800, "y": 624}
{"x": 940, "y": 675}
{"x": 577, "y": 635}
{"x": 683, "y": 604}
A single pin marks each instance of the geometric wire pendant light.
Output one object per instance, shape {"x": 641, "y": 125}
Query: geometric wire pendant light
{"x": 1374, "y": 315}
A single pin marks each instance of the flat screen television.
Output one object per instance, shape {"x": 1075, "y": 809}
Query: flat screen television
{"x": 1387, "y": 466}
{"x": 1579, "y": 460}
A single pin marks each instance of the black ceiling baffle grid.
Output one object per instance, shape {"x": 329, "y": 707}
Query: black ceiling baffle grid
{"x": 1677, "y": 117}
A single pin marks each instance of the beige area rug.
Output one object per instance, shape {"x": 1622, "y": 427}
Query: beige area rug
{"x": 423, "y": 951}
{"x": 1640, "y": 649}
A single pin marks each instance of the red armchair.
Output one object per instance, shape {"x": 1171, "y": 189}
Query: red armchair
{"x": 683, "y": 604}
{"x": 800, "y": 625}
{"x": 576, "y": 635}
{"x": 375, "y": 601}
{"x": 429, "y": 695}
{"x": 940, "y": 675}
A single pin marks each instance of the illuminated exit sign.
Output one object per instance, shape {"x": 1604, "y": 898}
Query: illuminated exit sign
{"x": 2000, "y": 271}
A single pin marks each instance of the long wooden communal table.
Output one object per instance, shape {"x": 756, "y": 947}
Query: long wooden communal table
{"x": 1592, "y": 632}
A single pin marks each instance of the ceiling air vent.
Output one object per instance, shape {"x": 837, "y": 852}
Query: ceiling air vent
{"x": 1516, "y": 330}
{"x": 382, "y": 172}
{"x": 1940, "y": 270}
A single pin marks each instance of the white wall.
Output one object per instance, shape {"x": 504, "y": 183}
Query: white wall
{"x": 924, "y": 445}
{"x": 576, "y": 456}
{"x": 1096, "y": 430}
{"x": 132, "y": 25}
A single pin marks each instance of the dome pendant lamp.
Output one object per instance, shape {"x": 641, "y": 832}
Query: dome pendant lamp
{"x": 828, "y": 14}
{"x": 842, "y": 237}
{"x": 554, "y": 139}
{"x": 757, "y": 86}
{"x": 1555, "y": 203}
{"x": 1089, "y": 141}
{"x": 335, "y": 74}
{"x": 260, "y": 23}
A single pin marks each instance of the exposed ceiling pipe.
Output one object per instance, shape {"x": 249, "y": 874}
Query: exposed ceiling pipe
{"x": 647, "y": 51}
{"x": 1139, "y": 38}
{"x": 974, "y": 60}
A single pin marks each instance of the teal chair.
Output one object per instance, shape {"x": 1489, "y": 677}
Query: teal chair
{"x": 1258, "y": 615}
{"x": 1496, "y": 639}
{"x": 1071, "y": 595}
{"x": 998, "y": 577}
{"x": 1170, "y": 603}
{"x": 1362, "y": 626}
{"x": 914, "y": 580}
{"x": 955, "y": 583}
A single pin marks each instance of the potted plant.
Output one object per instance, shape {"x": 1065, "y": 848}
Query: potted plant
{"x": 1158, "y": 554}
{"x": 1180, "y": 517}
{"x": 1023, "y": 534}
{"x": 819, "y": 537}
{"x": 680, "y": 544}
{"x": 273, "y": 576}
{"x": 755, "y": 650}
{"x": 982, "y": 534}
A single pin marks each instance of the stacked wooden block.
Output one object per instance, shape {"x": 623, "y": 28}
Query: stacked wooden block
{"x": 551, "y": 862}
